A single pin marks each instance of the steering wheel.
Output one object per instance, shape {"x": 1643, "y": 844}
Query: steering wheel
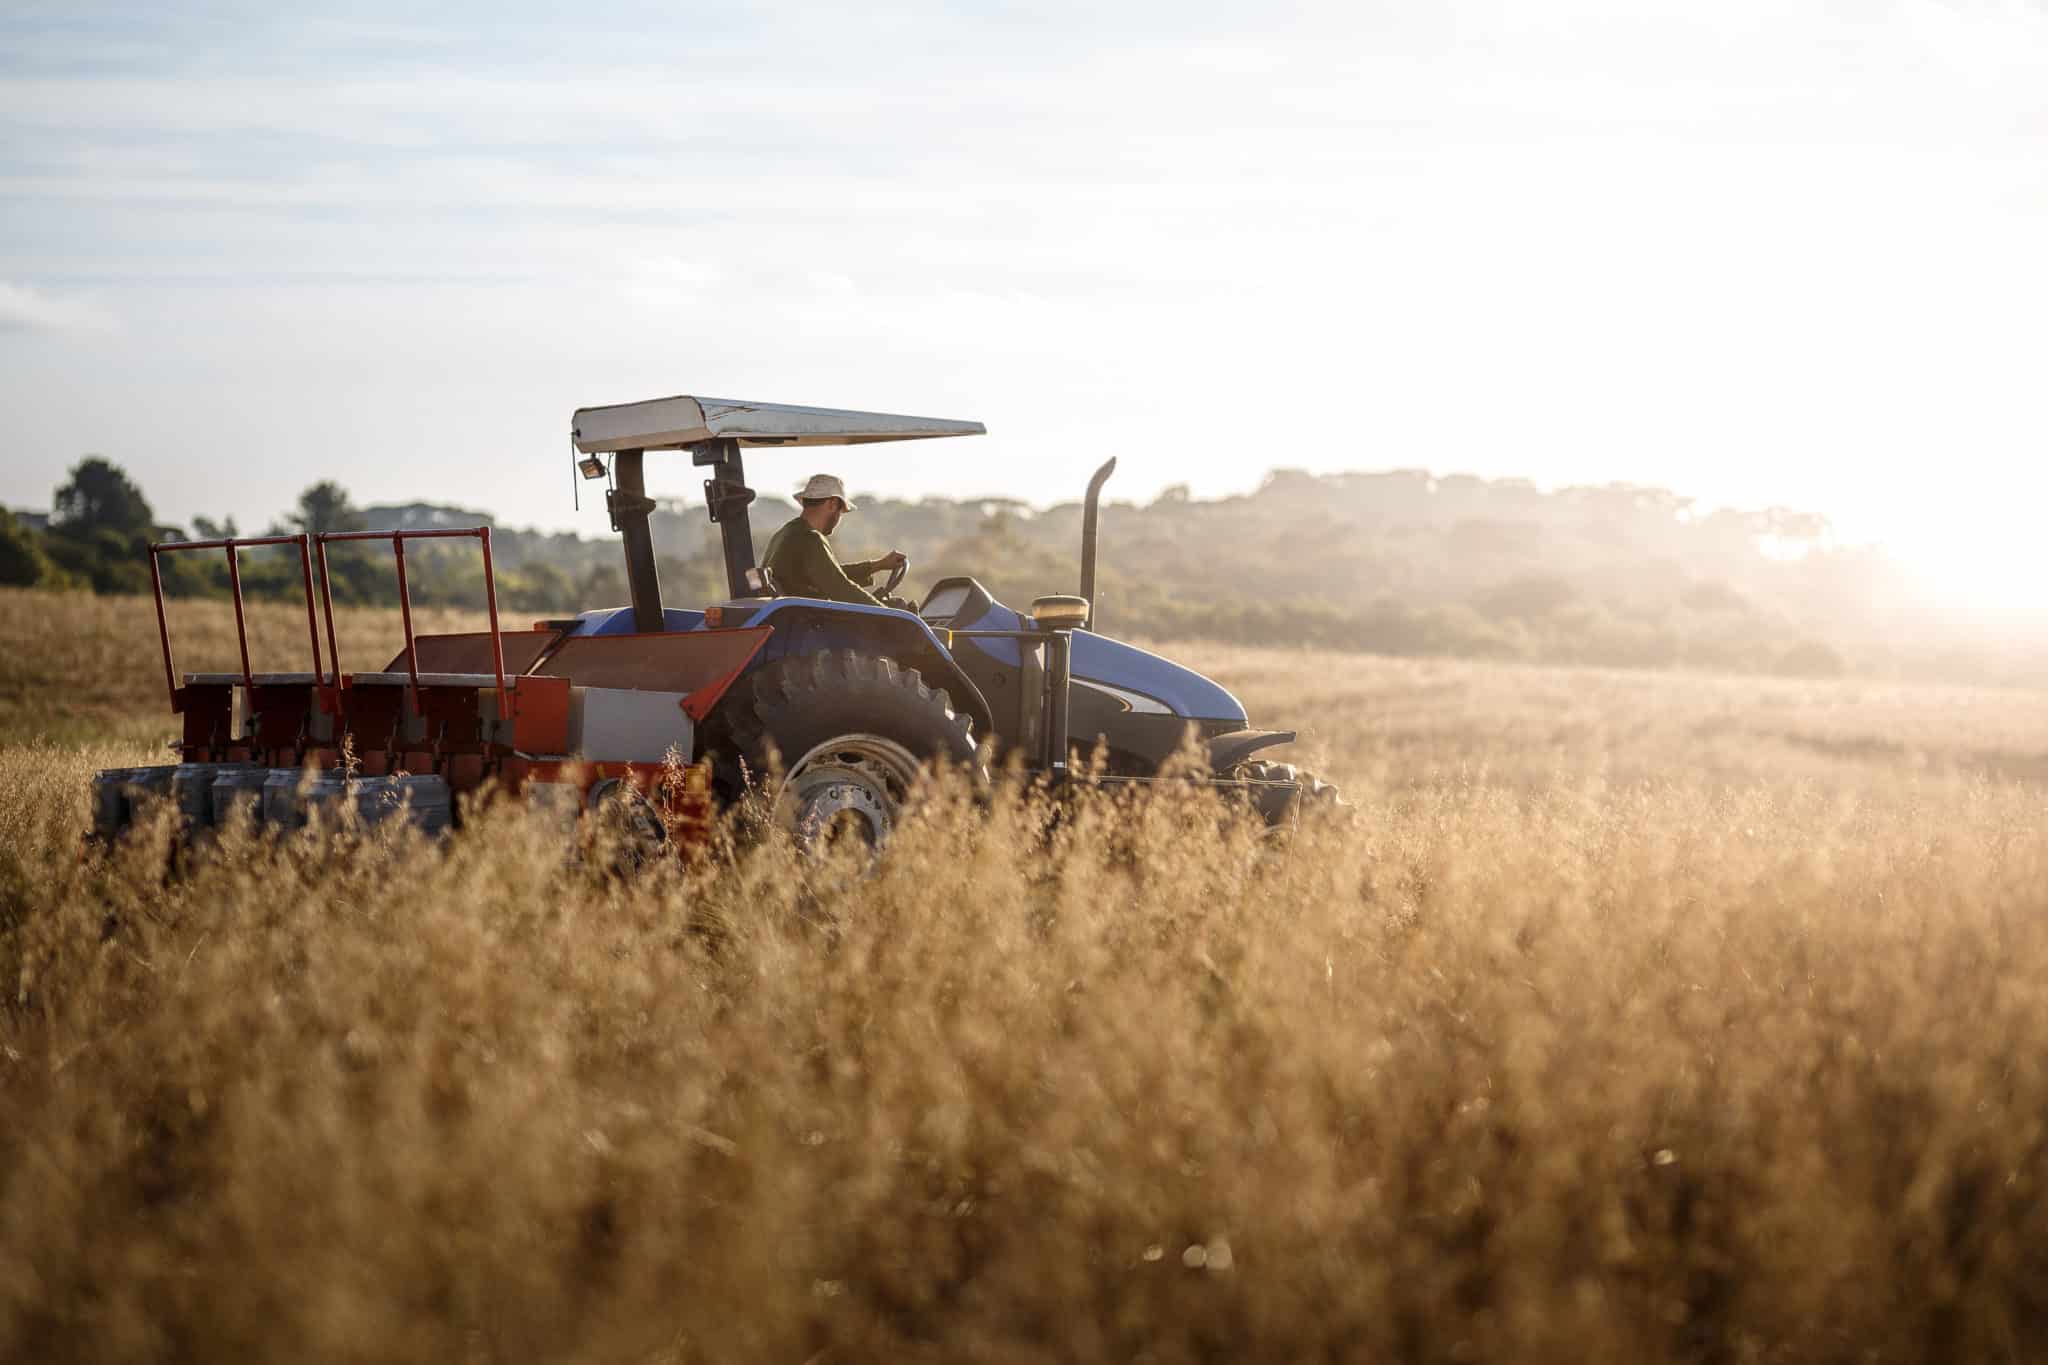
{"x": 895, "y": 579}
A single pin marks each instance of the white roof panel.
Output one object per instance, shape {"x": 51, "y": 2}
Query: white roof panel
{"x": 668, "y": 423}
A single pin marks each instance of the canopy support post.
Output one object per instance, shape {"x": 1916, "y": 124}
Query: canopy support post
{"x": 726, "y": 498}
{"x": 630, "y": 506}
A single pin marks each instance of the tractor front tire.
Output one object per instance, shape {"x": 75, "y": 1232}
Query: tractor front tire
{"x": 1279, "y": 805}
{"x": 850, "y": 732}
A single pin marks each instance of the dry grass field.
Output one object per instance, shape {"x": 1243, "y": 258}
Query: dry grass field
{"x": 1632, "y": 1017}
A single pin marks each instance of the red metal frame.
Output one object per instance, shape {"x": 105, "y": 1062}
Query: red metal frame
{"x": 233, "y": 545}
{"x": 461, "y": 750}
{"x": 481, "y": 534}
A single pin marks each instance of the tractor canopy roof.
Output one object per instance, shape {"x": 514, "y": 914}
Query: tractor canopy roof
{"x": 672, "y": 423}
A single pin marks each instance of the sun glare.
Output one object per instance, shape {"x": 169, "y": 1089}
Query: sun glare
{"x": 1992, "y": 568}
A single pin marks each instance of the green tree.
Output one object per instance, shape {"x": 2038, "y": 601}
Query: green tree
{"x": 539, "y": 586}
{"x": 101, "y": 526}
{"x": 99, "y": 496}
{"x": 326, "y": 507}
{"x": 22, "y": 561}
{"x": 111, "y": 561}
{"x": 357, "y": 575}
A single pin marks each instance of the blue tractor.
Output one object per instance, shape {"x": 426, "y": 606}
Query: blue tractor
{"x": 853, "y": 699}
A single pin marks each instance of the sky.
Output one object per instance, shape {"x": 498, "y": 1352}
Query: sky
{"x": 1763, "y": 252}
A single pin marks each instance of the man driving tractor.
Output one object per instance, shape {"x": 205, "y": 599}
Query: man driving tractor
{"x": 800, "y": 560}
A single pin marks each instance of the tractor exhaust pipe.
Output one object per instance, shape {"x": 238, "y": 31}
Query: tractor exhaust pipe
{"x": 1090, "y": 514}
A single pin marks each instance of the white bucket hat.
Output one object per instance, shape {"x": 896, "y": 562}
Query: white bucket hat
{"x": 824, "y": 486}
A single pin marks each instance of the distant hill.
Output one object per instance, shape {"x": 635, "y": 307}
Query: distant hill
{"x": 1398, "y": 561}
{"x": 422, "y": 516}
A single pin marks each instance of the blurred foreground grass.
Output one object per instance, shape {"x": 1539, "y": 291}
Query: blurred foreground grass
{"x": 1634, "y": 1018}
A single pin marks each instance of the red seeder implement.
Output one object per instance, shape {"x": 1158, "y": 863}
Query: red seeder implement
{"x": 549, "y": 712}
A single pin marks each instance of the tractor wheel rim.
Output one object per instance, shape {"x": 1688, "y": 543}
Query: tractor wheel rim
{"x": 852, "y": 785}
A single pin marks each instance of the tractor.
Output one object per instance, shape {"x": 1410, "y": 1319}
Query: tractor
{"x": 683, "y": 710}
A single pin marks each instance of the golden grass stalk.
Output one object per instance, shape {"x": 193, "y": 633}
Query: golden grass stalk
{"x": 1607, "y": 1070}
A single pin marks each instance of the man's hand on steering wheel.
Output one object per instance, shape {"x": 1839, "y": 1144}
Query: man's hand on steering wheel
{"x": 898, "y": 565}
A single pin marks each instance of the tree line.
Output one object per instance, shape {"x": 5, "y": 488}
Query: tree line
{"x": 1397, "y": 562}
{"x": 100, "y": 526}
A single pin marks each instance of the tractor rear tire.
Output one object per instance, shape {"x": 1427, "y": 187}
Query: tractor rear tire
{"x": 850, "y": 731}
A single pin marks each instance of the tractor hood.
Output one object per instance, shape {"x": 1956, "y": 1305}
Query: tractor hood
{"x": 1113, "y": 678}
{"x": 1144, "y": 684}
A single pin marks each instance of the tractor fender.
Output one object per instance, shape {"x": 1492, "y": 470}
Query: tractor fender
{"x": 1227, "y": 751}
{"x": 805, "y": 625}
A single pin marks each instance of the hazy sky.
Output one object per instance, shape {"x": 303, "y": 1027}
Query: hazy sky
{"x": 1761, "y": 251}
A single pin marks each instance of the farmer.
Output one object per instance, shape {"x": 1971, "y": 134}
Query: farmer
{"x": 801, "y": 561}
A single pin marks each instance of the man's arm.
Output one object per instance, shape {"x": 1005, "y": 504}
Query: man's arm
{"x": 861, "y": 570}
{"x": 819, "y": 575}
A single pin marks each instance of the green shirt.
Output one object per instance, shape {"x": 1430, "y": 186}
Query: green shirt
{"x": 801, "y": 562}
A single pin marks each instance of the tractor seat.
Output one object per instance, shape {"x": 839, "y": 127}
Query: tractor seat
{"x": 761, "y": 585}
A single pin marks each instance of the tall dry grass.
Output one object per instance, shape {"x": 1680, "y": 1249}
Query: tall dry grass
{"x": 1562, "y": 1051}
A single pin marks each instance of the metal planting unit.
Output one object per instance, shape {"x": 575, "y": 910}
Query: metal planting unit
{"x": 567, "y": 719}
